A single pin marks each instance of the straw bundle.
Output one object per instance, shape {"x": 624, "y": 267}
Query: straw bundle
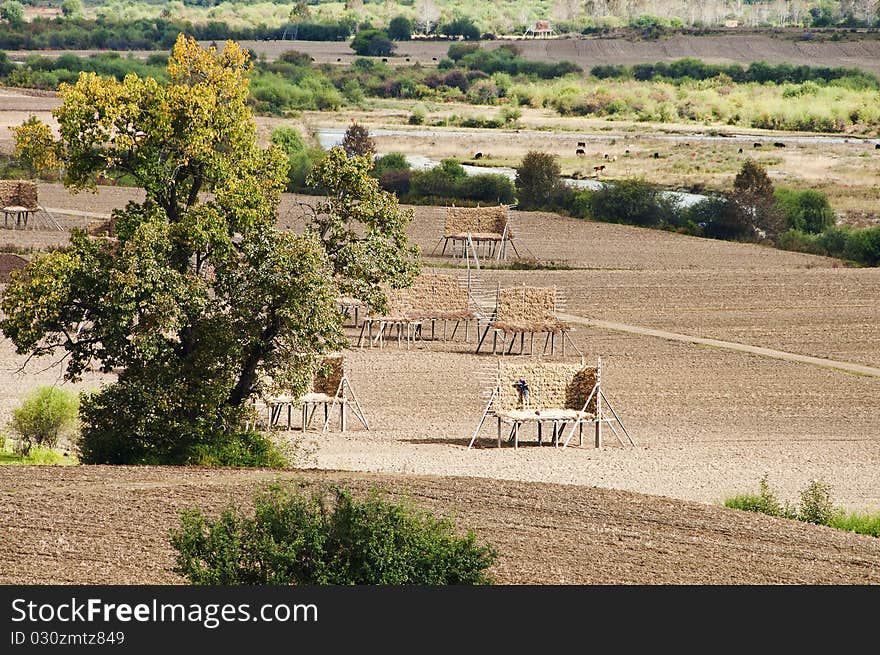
{"x": 552, "y": 385}
{"x": 18, "y": 193}
{"x": 482, "y": 222}
{"x": 430, "y": 296}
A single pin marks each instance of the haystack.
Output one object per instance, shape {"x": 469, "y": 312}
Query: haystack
{"x": 330, "y": 387}
{"x": 549, "y": 394}
{"x": 477, "y": 231}
{"x": 522, "y": 311}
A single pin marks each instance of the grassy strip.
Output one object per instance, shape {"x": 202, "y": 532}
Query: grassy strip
{"x": 815, "y": 506}
{"x": 37, "y": 456}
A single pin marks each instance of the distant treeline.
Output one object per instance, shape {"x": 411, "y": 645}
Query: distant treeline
{"x": 149, "y": 34}
{"x": 759, "y": 71}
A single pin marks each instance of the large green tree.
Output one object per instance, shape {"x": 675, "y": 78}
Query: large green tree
{"x": 198, "y": 295}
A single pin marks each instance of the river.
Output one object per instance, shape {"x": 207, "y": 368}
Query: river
{"x": 328, "y": 138}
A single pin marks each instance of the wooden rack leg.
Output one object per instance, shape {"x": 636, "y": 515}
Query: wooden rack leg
{"x": 482, "y": 338}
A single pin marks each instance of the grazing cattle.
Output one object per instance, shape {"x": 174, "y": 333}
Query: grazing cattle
{"x": 433, "y": 58}
{"x": 756, "y": 145}
{"x": 407, "y": 58}
{"x": 478, "y": 155}
{"x": 740, "y": 151}
{"x": 339, "y": 59}
{"x": 579, "y": 152}
{"x": 599, "y": 169}
{"x": 626, "y": 152}
{"x": 385, "y": 60}
{"x": 582, "y": 144}
{"x": 606, "y": 156}
{"x": 778, "y": 145}
{"x": 656, "y": 155}
{"x": 877, "y": 146}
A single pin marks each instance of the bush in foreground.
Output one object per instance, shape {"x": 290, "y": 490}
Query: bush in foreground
{"x": 295, "y": 538}
{"x": 43, "y": 416}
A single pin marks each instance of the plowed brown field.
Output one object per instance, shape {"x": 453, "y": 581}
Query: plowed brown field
{"x": 109, "y": 525}
{"x": 709, "y": 423}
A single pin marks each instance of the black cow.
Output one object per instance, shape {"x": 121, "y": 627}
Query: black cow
{"x": 478, "y": 155}
{"x": 756, "y": 145}
{"x": 656, "y": 155}
{"x": 877, "y": 146}
{"x": 778, "y": 145}
{"x": 740, "y": 151}
{"x": 582, "y": 144}
{"x": 579, "y": 152}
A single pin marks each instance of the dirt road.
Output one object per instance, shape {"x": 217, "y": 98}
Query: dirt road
{"x": 715, "y": 343}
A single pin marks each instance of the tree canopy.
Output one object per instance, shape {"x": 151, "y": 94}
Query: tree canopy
{"x": 197, "y": 297}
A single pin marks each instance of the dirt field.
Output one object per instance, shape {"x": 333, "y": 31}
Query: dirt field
{"x": 709, "y": 422}
{"x": 588, "y": 52}
{"x": 108, "y": 525}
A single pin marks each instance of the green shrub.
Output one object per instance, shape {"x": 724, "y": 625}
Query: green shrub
{"x": 294, "y": 538}
{"x": 458, "y": 50}
{"x": 397, "y": 182}
{"x": 190, "y": 429}
{"x": 43, "y": 416}
{"x": 633, "y": 201}
{"x": 353, "y": 92}
{"x": 579, "y": 207}
{"x": 288, "y": 139}
{"x": 400, "y": 28}
{"x": 537, "y": 179}
{"x": 37, "y": 457}
{"x": 720, "y": 217}
{"x": 461, "y": 26}
{"x": 764, "y": 503}
{"x": 492, "y": 188}
{"x": 807, "y": 210}
{"x": 816, "y": 505}
{"x": 372, "y": 43}
{"x": 418, "y": 115}
{"x": 393, "y": 161}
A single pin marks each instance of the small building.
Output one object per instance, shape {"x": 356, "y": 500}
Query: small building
{"x": 541, "y": 28}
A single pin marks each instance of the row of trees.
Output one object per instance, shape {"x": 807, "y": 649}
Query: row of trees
{"x": 753, "y": 211}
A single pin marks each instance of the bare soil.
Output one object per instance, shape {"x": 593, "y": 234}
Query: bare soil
{"x": 109, "y": 525}
{"x": 588, "y": 52}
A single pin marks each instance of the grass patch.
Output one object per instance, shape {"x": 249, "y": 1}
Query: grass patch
{"x": 38, "y": 456}
{"x": 815, "y": 507}
{"x": 860, "y": 523}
